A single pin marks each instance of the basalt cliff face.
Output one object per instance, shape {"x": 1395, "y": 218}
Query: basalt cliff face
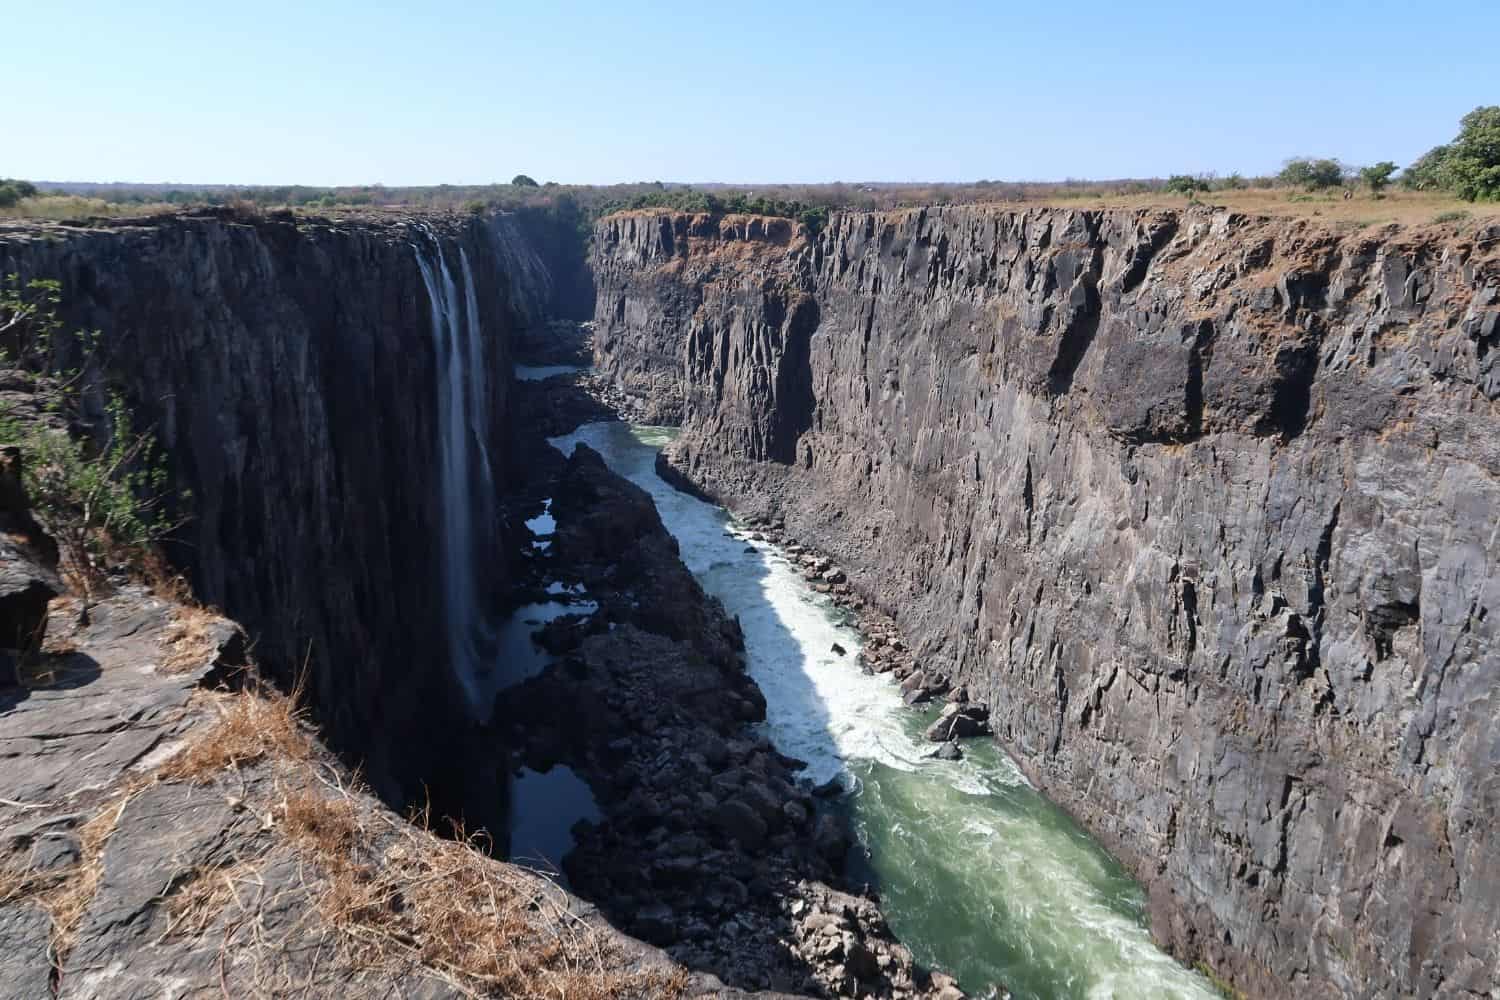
{"x": 1203, "y": 505}
{"x": 288, "y": 368}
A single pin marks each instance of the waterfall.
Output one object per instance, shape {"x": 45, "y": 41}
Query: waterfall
{"x": 474, "y": 360}
{"x": 462, "y": 399}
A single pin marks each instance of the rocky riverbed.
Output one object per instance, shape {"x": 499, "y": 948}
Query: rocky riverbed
{"x": 710, "y": 843}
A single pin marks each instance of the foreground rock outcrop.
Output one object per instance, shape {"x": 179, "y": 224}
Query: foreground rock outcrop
{"x": 172, "y": 825}
{"x": 1201, "y": 506}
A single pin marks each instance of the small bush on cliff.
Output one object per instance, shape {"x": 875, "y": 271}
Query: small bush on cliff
{"x": 100, "y": 495}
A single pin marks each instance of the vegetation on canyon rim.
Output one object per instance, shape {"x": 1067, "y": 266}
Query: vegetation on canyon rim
{"x": 102, "y": 495}
{"x": 1464, "y": 170}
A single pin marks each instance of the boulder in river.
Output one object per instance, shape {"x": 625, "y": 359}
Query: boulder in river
{"x": 959, "y": 722}
{"x": 947, "y": 751}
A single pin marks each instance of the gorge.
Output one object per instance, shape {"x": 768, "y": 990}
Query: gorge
{"x": 1199, "y": 506}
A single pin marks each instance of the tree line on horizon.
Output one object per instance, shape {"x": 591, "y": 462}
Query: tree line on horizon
{"x": 1467, "y": 168}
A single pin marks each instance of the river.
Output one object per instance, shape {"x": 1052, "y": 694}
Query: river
{"x": 978, "y": 873}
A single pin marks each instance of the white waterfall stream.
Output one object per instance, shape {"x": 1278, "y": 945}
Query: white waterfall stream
{"x": 468, "y": 495}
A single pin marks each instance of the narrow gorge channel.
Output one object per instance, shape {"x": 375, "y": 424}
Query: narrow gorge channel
{"x": 977, "y": 872}
{"x": 1191, "y": 511}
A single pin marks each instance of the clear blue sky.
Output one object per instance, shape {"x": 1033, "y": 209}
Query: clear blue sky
{"x": 337, "y": 92}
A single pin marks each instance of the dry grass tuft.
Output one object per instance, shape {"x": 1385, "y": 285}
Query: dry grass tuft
{"x": 486, "y": 928}
{"x": 327, "y": 826}
{"x": 190, "y": 640}
{"x": 394, "y": 894}
{"x": 256, "y": 725}
{"x": 66, "y": 893}
{"x": 202, "y": 897}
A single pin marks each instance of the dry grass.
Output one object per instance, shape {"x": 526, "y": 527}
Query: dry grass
{"x": 189, "y": 641}
{"x": 60, "y": 207}
{"x": 65, "y": 893}
{"x": 486, "y": 928}
{"x": 392, "y": 894}
{"x": 254, "y": 725}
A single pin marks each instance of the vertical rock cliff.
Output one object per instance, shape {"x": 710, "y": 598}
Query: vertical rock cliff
{"x": 1203, "y": 505}
{"x": 288, "y": 369}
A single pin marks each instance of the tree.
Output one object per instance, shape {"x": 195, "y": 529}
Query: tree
{"x": 1427, "y": 173}
{"x": 521, "y": 180}
{"x": 1186, "y": 184}
{"x": 1315, "y": 175}
{"x": 12, "y": 191}
{"x": 1378, "y": 176}
{"x": 1471, "y": 167}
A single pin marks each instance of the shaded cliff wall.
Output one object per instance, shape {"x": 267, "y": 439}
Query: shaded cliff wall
{"x": 288, "y": 369}
{"x": 558, "y": 235}
{"x": 1205, "y": 506}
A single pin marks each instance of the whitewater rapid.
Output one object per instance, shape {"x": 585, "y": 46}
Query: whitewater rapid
{"x": 978, "y": 873}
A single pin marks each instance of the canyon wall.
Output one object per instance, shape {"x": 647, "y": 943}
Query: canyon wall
{"x": 1204, "y": 505}
{"x": 287, "y": 366}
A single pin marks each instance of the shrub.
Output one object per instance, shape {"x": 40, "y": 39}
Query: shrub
{"x": 1378, "y": 176}
{"x": 12, "y": 191}
{"x": 1234, "y": 182}
{"x": 1185, "y": 184}
{"x": 1315, "y": 175}
{"x": 521, "y": 180}
{"x": 1457, "y": 215}
{"x": 95, "y": 497}
{"x": 1426, "y": 174}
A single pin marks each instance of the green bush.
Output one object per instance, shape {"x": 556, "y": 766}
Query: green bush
{"x": 1426, "y": 174}
{"x": 1469, "y": 166}
{"x": 1472, "y": 164}
{"x": 814, "y": 217}
{"x": 521, "y": 180}
{"x": 12, "y": 191}
{"x": 1378, "y": 175}
{"x": 1185, "y": 184}
{"x": 96, "y": 496}
{"x": 1314, "y": 175}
